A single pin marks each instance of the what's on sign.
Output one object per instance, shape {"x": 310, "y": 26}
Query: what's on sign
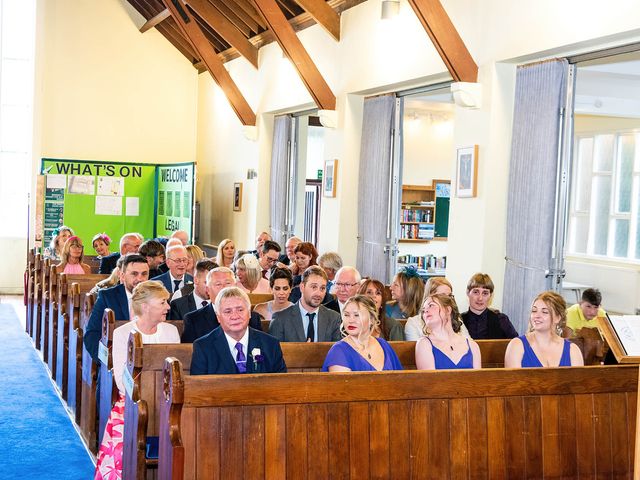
{"x": 95, "y": 169}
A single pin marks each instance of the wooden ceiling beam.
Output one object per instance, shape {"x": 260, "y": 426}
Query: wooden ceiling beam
{"x": 446, "y": 39}
{"x": 233, "y": 18}
{"x": 189, "y": 27}
{"x": 223, "y": 27}
{"x": 323, "y": 14}
{"x": 250, "y": 10}
{"x": 295, "y": 51}
{"x": 152, "y": 22}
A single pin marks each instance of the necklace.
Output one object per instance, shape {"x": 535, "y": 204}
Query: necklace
{"x": 361, "y": 347}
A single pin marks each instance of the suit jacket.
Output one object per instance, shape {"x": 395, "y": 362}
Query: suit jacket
{"x": 286, "y": 325}
{"x": 108, "y": 263}
{"x": 211, "y": 354}
{"x": 201, "y": 322}
{"x": 333, "y": 305}
{"x": 114, "y": 298}
{"x": 181, "y": 306}
{"x": 168, "y": 284}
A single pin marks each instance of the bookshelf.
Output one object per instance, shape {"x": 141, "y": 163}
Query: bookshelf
{"x": 417, "y": 214}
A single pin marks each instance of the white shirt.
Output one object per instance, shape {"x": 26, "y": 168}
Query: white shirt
{"x": 129, "y": 295}
{"x": 199, "y": 300}
{"x": 165, "y": 333}
{"x": 173, "y": 285}
{"x": 305, "y": 321}
{"x": 245, "y": 345}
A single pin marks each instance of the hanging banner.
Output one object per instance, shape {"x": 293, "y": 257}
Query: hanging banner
{"x": 175, "y": 198}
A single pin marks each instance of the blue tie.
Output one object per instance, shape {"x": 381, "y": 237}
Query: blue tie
{"x": 177, "y": 285}
{"x": 241, "y": 360}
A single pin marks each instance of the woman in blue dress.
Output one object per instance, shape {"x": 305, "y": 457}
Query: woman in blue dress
{"x": 543, "y": 346}
{"x": 443, "y": 347}
{"x": 360, "y": 350}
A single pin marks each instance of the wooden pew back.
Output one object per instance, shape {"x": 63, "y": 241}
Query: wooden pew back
{"x": 494, "y": 423}
{"x": 88, "y": 412}
{"x": 36, "y": 301}
{"x": 44, "y": 308}
{"x": 28, "y": 290}
{"x": 64, "y": 302}
{"x": 52, "y": 320}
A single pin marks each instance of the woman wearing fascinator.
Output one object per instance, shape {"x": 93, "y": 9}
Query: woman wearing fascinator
{"x": 406, "y": 291}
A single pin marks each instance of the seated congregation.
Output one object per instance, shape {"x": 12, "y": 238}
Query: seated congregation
{"x": 239, "y": 311}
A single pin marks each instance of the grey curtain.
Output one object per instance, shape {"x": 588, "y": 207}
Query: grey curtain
{"x": 279, "y": 177}
{"x": 540, "y": 94}
{"x": 374, "y": 186}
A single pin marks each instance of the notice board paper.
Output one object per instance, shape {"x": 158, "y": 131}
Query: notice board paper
{"x": 113, "y": 186}
{"x": 108, "y": 205}
{"x": 132, "y": 206}
{"x": 82, "y": 185}
{"x": 56, "y": 181}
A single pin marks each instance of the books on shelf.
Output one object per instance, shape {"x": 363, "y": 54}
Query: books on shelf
{"x": 418, "y": 231}
{"x": 430, "y": 263}
{"x": 416, "y": 215}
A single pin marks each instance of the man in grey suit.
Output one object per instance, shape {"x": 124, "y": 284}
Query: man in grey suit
{"x": 308, "y": 320}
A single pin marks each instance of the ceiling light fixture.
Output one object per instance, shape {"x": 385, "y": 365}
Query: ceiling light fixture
{"x": 390, "y": 9}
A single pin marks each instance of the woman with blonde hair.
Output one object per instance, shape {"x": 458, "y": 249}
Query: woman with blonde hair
{"x": 414, "y": 328}
{"x": 226, "y": 252}
{"x": 149, "y": 305}
{"x": 72, "y": 256}
{"x": 58, "y": 238}
{"x": 406, "y": 290}
{"x": 442, "y": 347}
{"x": 249, "y": 274}
{"x": 194, "y": 255}
{"x": 543, "y": 345}
{"x": 360, "y": 350}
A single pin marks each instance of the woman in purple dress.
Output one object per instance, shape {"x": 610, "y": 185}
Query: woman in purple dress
{"x": 360, "y": 350}
{"x": 543, "y": 346}
{"x": 443, "y": 347}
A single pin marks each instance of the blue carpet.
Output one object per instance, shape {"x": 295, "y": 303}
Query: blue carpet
{"x": 37, "y": 439}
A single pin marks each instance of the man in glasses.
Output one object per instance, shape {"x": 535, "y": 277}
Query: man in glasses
{"x": 176, "y": 277}
{"x": 345, "y": 286}
{"x": 268, "y": 255}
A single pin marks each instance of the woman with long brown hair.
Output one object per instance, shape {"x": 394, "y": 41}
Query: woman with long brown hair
{"x": 387, "y": 328}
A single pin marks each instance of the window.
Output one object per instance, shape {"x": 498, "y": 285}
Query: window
{"x": 605, "y": 203}
{"x": 17, "y": 37}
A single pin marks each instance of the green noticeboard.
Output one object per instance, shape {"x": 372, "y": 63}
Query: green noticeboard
{"x": 114, "y": 198}
{"x": 174, "y": 198}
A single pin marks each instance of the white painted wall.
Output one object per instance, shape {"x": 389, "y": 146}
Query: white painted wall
{"x": 374, "y": 57}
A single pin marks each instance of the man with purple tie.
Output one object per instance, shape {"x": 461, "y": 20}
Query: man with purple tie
{"x": 234, "y": 347}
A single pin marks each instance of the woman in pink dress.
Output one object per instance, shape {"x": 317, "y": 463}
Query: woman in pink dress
{"x": 72, "y": 256}
{"x": 150, "y": 307}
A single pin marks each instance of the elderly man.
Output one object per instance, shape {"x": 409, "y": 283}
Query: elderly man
{"x": 289, "y": 255}
{"x": 234, "y": 347}
{"x": 176, "y": 277}
{"x": 129, "y": 243}
{"x": 182, "y": 236}
{"x": 198, "y": 297}
{"x": 268, "y": 256}
{"x": 330, "y": 263}
{"x": 205, "y": 319}
{"x": 134, "y": 270}
{"x": 308, "y": 320}
{"x": 345, "y": 286}
{"x": 260, "y": 239}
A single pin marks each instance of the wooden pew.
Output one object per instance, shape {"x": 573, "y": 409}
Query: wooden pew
{"x": 94, "y": 262}
{"x": 37, "y": 301}
{"x": 64, "y": 301}
{"x": 494, "y": 423}
{"x": 257, "y": 298}
{"x": 29, "y": 281}
{"x": 44, "y": 309}
{"x": 52, "y": 321}
{"x": 145, "y": 364}
{"x": 89, "y": 380}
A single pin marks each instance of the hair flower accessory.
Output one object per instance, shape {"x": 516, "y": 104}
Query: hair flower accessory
{"x": 105, "y": 238}
{"x": 411, "y": 271}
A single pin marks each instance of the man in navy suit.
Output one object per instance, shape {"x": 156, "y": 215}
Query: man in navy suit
{"x": 176, "y": 277}
{"x": 234, "y": 347}
{"x": 199, "y": 323}
{"x": 129, "y": 243}
{"x": 134, "y": 270}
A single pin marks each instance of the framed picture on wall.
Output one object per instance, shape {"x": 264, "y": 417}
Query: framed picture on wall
{"x": 329, "y": 178}
{"x": 237, "y": 197}
{"x": 467, "y": 172}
